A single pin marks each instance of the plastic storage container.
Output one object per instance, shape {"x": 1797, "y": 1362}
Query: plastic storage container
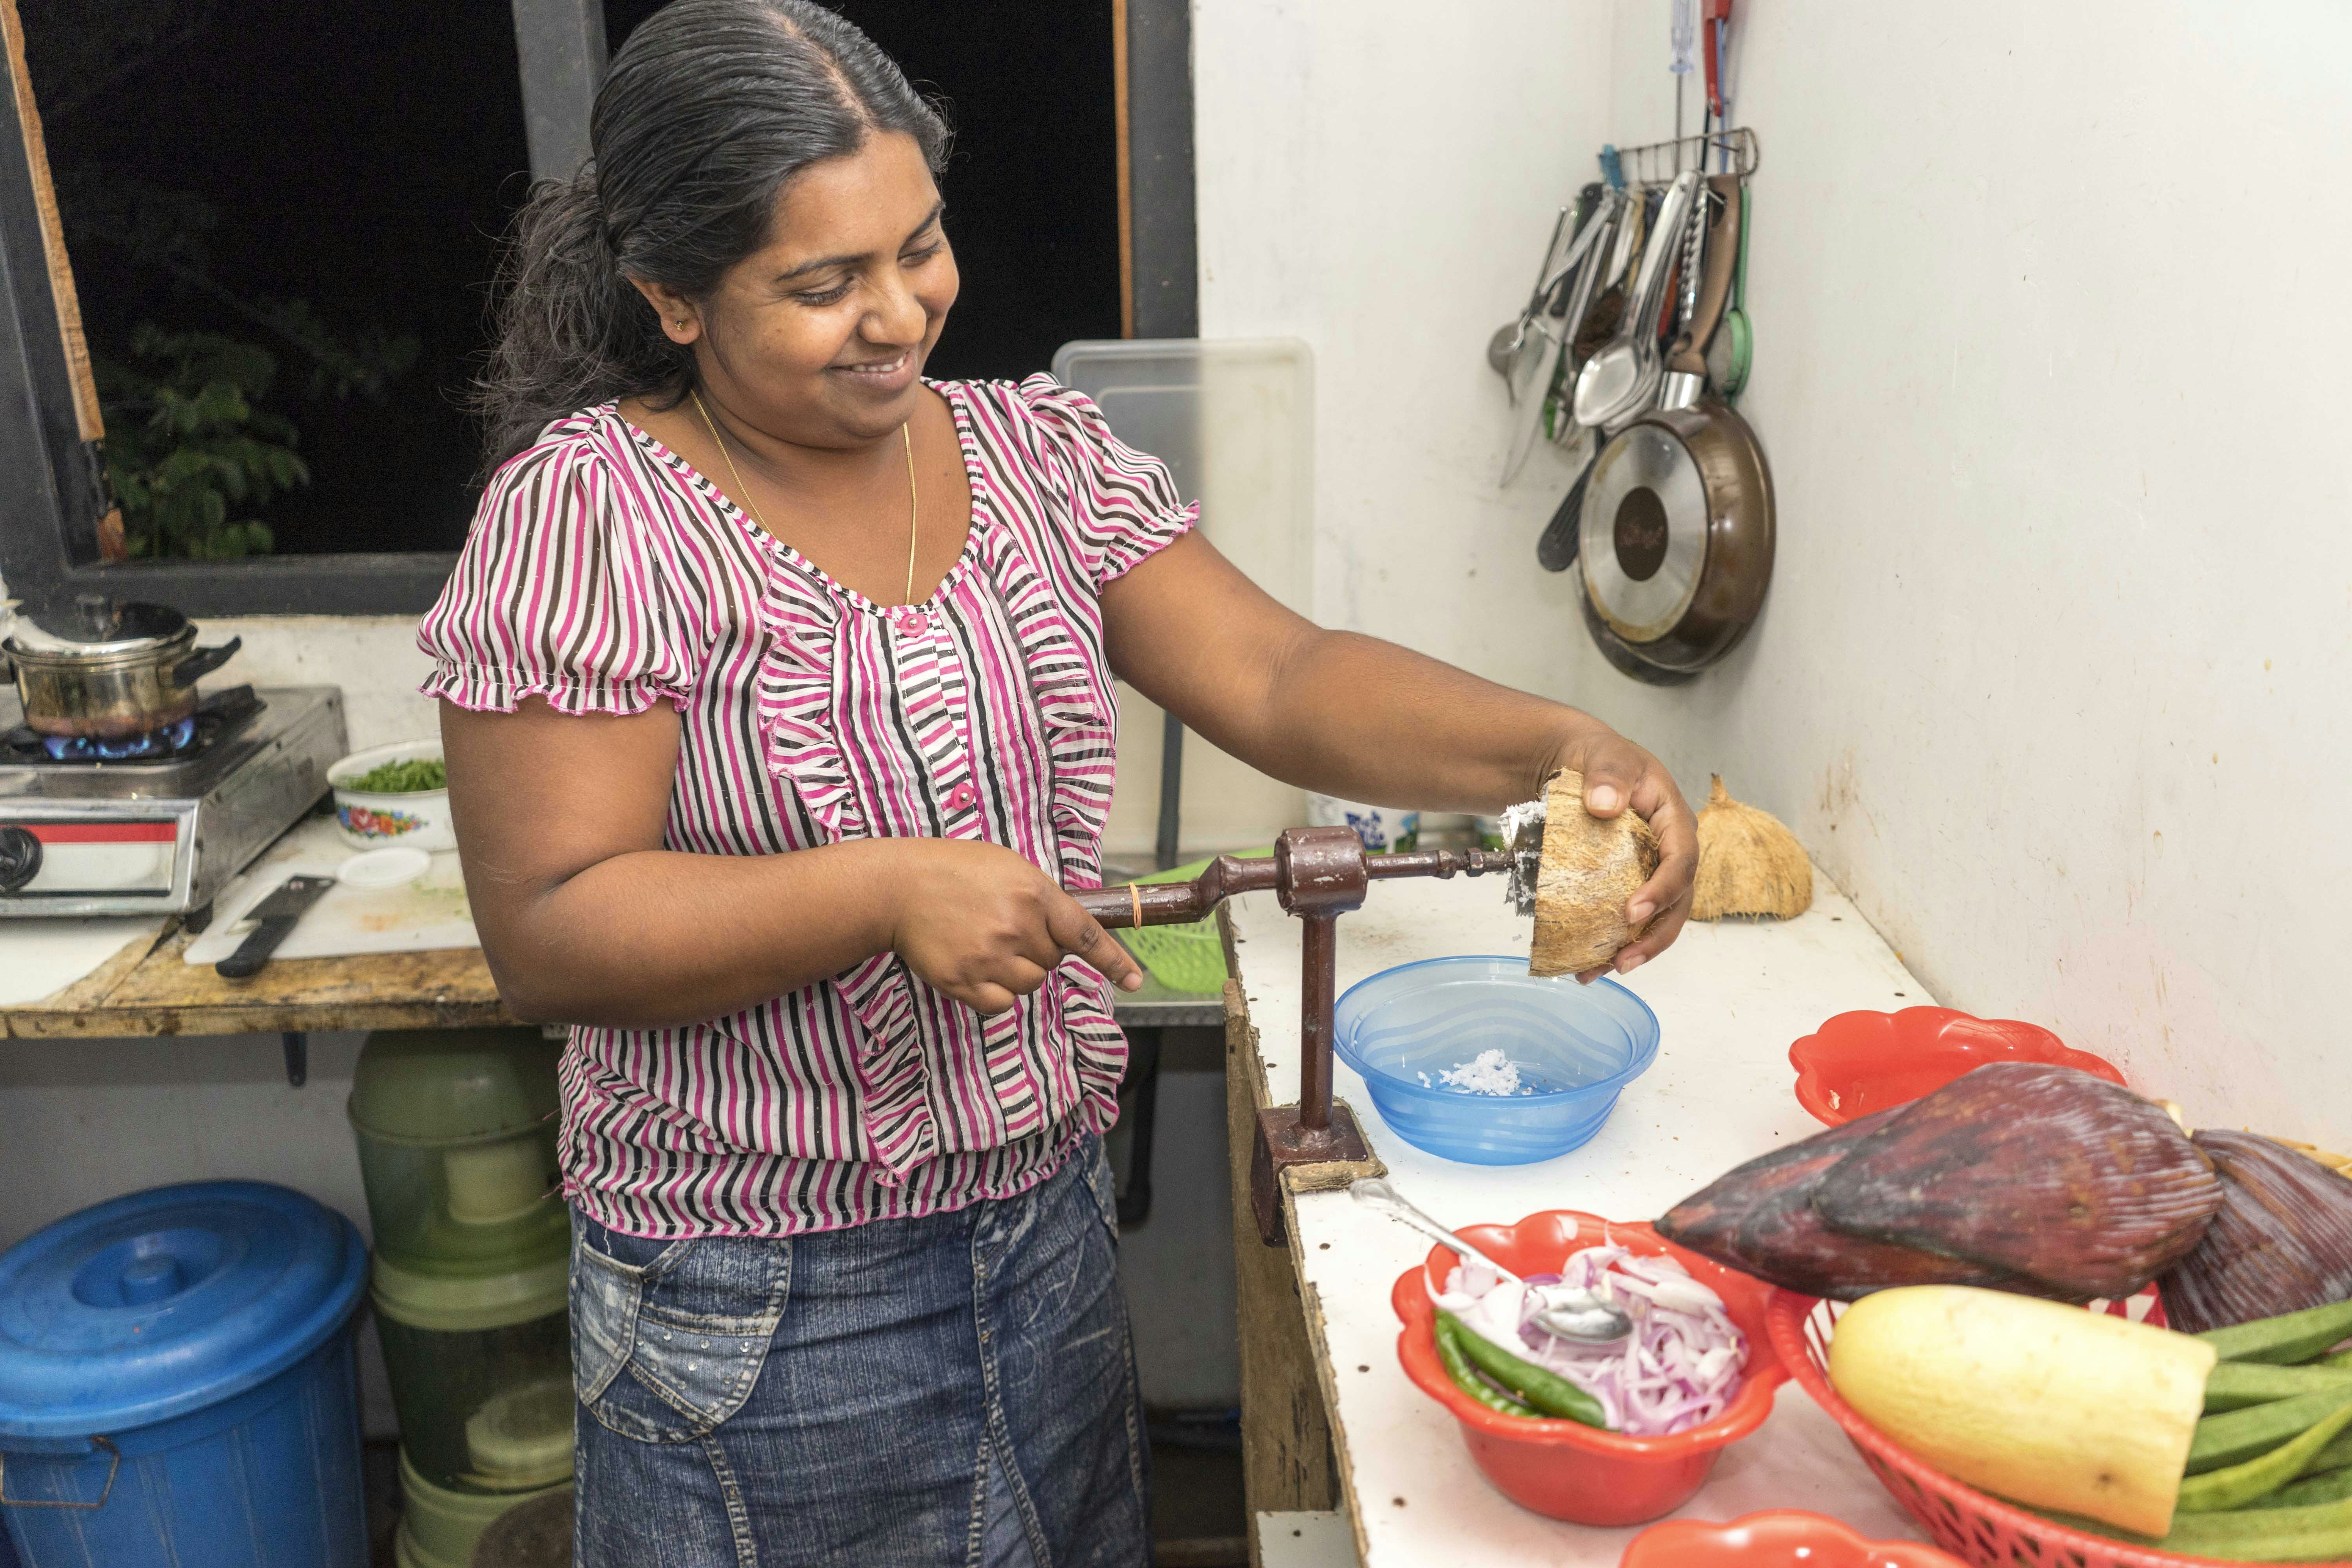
{"x": 1562, "y": 1468}
{"x": 457, "y": 1139}
{"x": 176, "y": 1367}
{"x": 441, "y": 1527}
{"x": 1577, "y": 1047}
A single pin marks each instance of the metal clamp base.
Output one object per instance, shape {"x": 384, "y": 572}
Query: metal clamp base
{"x": 1282, "y": 1144}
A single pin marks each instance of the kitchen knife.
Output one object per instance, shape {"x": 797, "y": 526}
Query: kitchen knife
{"x": 273, "y": 917}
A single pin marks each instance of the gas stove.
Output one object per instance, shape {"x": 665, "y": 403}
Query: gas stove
{"x": 162, "y": 832}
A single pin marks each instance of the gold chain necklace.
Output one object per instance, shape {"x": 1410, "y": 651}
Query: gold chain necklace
{"x": 914, "y": 501}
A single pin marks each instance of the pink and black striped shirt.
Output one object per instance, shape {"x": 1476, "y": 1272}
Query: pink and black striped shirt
{"x": 605, "y": 574}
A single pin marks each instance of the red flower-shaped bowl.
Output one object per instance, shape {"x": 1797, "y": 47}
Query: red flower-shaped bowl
{"x": 1778, "y": 1538}
{"x": 1565, "y": 1470}
{"x": 1859, "y": 1063}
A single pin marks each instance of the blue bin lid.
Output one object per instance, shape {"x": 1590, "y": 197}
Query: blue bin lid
{"x": 167, "y": 1302}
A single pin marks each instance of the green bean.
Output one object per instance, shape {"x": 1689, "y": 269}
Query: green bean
{"x": 2288, "y": 1338}
{"x": 2233, "y": 1385}
{"x": 2239, "y": 1436}
{"x": 2242, "y": 1484}
{"x": 2327, "y": 1486}
{"x": 1547, "y": 1391}
{"x": 1465, "y": 1376}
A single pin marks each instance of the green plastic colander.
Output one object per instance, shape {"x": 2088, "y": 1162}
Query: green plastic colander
{"x": 1187, "y": 957}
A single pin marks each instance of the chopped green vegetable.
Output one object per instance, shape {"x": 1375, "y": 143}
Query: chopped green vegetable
{"x": 412, "y": 777}
{"x": 2241, "y": 1484}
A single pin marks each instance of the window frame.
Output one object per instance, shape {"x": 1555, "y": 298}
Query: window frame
{"x": 53, "y": 495}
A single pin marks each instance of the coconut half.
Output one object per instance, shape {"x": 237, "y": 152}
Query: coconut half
{"x": 1590, "y": 869}
{"x": 1748, "y": 863}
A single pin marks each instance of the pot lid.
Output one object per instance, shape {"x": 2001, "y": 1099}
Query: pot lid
{"x": 168, "y": 1301}
{"x": 92, "y": 625}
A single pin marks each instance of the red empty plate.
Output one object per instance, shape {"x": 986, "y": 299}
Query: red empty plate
{"x": 1781, "y": 1538}
{"x": 1858, "y": 1063}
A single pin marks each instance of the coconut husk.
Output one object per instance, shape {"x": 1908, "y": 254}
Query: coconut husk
{"x": 1748, "y": 864}
{"x": 1589, "y": 870}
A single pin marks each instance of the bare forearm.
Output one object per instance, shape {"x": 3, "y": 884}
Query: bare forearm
{"x": 654, "y": 937}
{"x": 1366, "y": 720}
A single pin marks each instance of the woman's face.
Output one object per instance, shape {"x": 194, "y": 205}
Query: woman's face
{"x": 819, "y": 336}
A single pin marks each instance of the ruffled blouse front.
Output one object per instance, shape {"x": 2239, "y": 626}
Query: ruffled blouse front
{"x": 604, "y": 574}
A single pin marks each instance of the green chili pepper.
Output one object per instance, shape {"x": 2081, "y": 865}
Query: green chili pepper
{"x": 1547, "y": 1392}
{"x": 1465, "y": 1376}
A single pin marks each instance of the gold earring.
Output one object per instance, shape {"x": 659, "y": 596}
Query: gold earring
{"x": 682, "y": 322}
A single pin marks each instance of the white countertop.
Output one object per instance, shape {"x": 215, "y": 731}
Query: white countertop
{"x": 1730, "y": 999}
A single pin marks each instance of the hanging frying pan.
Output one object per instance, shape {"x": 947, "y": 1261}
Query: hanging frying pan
{"x": 1676, "y": 532}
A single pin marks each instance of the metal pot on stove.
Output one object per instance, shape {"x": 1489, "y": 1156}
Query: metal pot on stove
{"x": 108, "y": 669}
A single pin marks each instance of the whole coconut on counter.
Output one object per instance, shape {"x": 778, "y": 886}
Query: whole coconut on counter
{"x": 1590, "y": 869}
{"x": 1748, "y": 863}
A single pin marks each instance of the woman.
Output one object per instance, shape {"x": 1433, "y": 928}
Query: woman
{"x": 776, "y": 689}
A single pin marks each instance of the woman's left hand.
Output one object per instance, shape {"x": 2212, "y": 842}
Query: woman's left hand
{"x": 1619, "y": 775}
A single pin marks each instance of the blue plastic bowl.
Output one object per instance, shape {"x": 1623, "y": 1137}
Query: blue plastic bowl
{"x": 1576, "y": 1045}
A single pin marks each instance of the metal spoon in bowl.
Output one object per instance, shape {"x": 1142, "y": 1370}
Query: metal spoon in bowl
{"x": 1570, "y": 1313}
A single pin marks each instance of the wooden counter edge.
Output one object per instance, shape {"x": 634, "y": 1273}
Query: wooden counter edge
{"x": 149, "y": 989}
{"x": 1289, "y": 1459}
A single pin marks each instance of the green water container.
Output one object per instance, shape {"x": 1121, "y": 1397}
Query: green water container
{"x": 456, "y": 1141}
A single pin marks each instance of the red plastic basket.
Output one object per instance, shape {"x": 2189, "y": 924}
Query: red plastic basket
{"x": 1964, "y": 1521}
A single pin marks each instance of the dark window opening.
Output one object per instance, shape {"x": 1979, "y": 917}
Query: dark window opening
{"x": 1031, "y": 185}
{"x": 294, "y": 207}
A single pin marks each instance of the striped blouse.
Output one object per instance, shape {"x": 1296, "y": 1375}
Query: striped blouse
{"x": 605, "y": 574}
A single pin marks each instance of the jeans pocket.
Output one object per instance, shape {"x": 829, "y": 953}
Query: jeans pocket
{"x": 667, "y": 1339}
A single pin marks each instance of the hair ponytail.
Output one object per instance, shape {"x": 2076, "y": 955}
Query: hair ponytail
{"x": 708, "y": 109}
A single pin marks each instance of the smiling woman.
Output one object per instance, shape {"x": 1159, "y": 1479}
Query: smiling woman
{"x": 777, "y": 688}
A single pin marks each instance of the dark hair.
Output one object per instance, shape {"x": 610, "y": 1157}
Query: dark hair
{"x": 708, "y": 109}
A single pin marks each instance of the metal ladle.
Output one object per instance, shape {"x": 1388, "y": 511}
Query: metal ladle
{"x": 1570, "y": 1313}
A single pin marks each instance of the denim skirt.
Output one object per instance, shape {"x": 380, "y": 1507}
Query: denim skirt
{"x": 953, "y": 1390}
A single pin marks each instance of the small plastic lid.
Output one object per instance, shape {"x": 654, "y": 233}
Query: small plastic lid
{"x": 168, "y": 1301}
{"x": 469, "y": 1304}
{"x": 444, "y": 1085}
{"x": 521, "y": 1437}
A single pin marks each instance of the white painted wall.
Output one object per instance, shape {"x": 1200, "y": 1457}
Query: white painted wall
{"x": 2046, "y": 319}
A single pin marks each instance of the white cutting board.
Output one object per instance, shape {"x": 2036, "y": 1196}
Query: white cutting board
{"x": 430, "y": 912}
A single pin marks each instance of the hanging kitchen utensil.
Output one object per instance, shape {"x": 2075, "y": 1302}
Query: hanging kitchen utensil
{"x": 1706, "y": 286}
{"x": 1529, "y": 396}
{"x": 1676, "y": 534}
{"x": 1733, "y": 345}
{"x": 1624, "y": 375}
{"x": 1517, "y": 338}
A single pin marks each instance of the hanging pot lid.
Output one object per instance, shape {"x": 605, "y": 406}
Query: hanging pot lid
{"x": 90, "y": 625}
{"x": 168, "y": 1301}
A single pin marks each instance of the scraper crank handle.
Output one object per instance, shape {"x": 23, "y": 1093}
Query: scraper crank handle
{"x": 1174, "y": 903}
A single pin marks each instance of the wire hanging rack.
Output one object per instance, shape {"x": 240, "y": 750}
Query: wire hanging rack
{"x": 1733, "y": 151}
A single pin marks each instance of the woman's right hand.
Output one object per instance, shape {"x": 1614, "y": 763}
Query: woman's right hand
{"x": 978, "y": 923}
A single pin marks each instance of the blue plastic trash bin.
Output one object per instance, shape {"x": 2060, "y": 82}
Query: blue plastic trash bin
{"x": 177, "y": 1383}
